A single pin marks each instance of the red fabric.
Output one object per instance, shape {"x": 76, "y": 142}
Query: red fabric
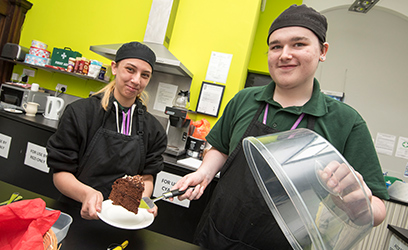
{"x": 23, "y": 224}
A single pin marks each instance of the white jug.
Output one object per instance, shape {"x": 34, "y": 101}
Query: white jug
{"x": 53, "y": 107}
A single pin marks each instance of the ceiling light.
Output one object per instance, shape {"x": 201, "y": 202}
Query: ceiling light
{"x": 362, "y": 6}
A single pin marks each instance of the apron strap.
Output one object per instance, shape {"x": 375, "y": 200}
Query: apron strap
{"x": 140, "y": 113}
{"x": 239, "y": 146}
{"x": 310, "y": 125}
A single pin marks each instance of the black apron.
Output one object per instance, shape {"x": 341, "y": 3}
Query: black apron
{"x": 111, "y": 155}
{"x": 237, "y": 216}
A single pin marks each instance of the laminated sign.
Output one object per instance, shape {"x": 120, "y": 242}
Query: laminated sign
{"x": 60, "y": 57}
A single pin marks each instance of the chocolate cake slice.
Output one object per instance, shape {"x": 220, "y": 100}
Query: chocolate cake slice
{"x": 127, "y": 192}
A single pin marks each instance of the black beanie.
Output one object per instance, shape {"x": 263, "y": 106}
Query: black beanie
{"x": 302, "y": 16}
{"x": 136, "y": 50}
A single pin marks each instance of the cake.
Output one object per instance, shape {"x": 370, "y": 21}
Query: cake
{"x": 127, "y": 192}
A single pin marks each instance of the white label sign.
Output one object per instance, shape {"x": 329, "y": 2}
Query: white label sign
{"x": 5, "y": 142}
{"x": 402, "y": 148}
{"x": 164, "y": 182}
{"x": 396, "y": 244}
{"x": 36, "y": 157}
{"x": 385, "y": 143}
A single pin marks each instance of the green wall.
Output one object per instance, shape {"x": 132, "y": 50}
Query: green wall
{"x": 227, "y": 26}
{"x": 259, "y": 58}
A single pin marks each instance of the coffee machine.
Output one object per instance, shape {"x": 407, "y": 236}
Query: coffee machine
{"x": 178, "y": 125}
{"x": 177, "y": 130}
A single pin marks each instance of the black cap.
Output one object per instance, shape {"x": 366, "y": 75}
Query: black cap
{"x": 303, "y": 16}
{"x": 136, "y": 50}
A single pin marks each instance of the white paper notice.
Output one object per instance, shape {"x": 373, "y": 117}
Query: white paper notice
{"x": 384, "y": 144}
{"x": 218, "y": 67}
{"x": 5, "y": 142}
{"x": 164, "y": 96}
{"x": 36, "y": 157}
{"x": 397, "y": 243}
{"x": 402, "y": 148}
{"x": 164, "y": 182}
{"x": 210, "y": 99}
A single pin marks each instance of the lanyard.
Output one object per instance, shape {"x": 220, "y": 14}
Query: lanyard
{"x": 299, "y": 119}
{"x": 126, "y": 125}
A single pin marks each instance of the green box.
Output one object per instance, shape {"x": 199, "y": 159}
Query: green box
{"x": 60, "y": 57}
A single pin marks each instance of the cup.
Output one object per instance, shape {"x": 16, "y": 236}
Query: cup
{"x": 31, "y": 108}
{"x": 195, "y": 147}
{"x": 35, "y": 87}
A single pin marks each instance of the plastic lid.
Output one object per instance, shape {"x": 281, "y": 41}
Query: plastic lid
{"x": 288, "y": 168}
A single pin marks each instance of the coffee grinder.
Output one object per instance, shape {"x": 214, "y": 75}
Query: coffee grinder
{"x": 178, "y": 125}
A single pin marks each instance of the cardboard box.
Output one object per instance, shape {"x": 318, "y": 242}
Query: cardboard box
{"x": 60, "y": 57}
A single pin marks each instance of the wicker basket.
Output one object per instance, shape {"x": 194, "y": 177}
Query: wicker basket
{"x": 50, "y": 241}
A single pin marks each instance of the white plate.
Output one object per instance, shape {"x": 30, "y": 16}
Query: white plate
{"x": 120, "y": 217}
{"x": 16, "y": 111}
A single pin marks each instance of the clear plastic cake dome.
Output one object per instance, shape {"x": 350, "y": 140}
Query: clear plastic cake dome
{"x": 287, "y": 168}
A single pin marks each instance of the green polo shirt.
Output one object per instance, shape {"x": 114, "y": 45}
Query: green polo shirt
{"x": 337, "y": 122}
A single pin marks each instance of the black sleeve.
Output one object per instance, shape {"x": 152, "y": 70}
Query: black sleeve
{"x": 63, "y": 146}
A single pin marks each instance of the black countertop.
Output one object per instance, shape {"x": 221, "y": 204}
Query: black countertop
{"x": 95, "y": 234}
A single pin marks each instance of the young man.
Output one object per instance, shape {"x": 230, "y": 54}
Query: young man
{"x": 236, "y": 220}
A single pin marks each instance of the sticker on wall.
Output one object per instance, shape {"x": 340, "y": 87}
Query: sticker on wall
{"x": 384, "y": 143}
{"x": 164, "y": 96}
{"x": 218, "y": 67}
{"x": 402, "y": 148}
{"x": 36, "y": 157}
{"x": 164, "y": 182}
{"x": 5, "y": 142}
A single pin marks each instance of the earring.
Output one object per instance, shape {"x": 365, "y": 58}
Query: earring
{"x": 322, "y": 58}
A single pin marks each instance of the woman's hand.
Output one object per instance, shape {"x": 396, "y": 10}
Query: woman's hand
{"x": 91, "y": 205}
{"x": 154, "y": 211}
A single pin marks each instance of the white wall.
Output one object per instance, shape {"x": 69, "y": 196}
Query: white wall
{"x": 367, "y": 61}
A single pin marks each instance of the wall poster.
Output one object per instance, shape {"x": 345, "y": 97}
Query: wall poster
{"x": 210, "y": 98}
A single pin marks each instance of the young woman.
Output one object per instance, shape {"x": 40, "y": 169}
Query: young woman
{"x": 109, "y": 135}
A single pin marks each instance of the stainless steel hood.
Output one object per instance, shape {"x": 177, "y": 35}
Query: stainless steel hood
{"x": 165, "y": 61}
{"x": 158, "y": 31}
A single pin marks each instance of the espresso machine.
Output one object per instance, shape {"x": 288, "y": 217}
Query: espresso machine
{"x": 178, "y": 125}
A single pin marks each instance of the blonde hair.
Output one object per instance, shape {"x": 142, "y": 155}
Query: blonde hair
{"x": 108, "y": 92}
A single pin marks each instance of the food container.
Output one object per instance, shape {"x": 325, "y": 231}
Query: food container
{"x": 36, "y": 60}
{"x": 94, "y": 68}
{"x": 287, "y": 168}
{"x": 61, "y": 226}
{"x": 39, "y": 52}
{"x": 38, "y": 44}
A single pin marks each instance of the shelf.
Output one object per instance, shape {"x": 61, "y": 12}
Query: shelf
{"x": 52, "y": 70}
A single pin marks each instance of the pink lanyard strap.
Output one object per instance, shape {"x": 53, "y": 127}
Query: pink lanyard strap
{"x": 126, "y": 128}
{"x": 299, "y": 119}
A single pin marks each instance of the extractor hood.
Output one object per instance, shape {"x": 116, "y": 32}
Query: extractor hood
{"x": 158, "y": 33}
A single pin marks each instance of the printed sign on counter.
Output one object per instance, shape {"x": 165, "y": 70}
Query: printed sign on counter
{"x": 164, "y": 182}
{"x": 397, "y": 244}
{"x": 36, "y": 157}
{"x": 5, "y": 142}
